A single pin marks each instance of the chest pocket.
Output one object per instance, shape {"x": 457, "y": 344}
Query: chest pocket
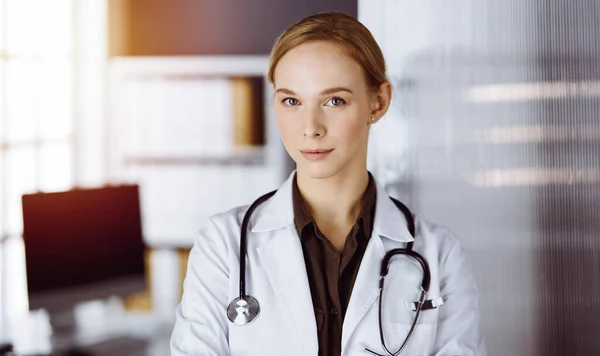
{"x": 419, "y": 344}
{"x": 402, "y": 289}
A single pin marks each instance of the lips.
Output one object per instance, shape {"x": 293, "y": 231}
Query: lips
{"x": 316, "y": 155}
{"x": 315, "y": 151}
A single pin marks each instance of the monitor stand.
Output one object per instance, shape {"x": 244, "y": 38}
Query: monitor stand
{"x": 63, "y": 323}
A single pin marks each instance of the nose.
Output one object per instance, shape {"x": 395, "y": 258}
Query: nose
{"x": 314, "y": 127}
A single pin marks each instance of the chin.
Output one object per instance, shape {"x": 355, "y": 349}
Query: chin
{"x": 318, "y": 170}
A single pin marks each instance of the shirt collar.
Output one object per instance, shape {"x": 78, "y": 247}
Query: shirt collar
{"x": 278, "y": 213}
{"x": 302, "y": 217}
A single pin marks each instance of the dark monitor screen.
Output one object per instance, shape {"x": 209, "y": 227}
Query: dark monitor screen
{"x": 82, "y": 244}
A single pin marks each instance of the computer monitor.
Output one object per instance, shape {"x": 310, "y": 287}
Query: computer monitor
{"x": 81, "y": 245}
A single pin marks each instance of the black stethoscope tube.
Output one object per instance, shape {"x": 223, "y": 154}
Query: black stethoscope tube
{"x": 244, "y": 243}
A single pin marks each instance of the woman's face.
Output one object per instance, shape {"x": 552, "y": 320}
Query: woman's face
{"x": 323, "y": 108}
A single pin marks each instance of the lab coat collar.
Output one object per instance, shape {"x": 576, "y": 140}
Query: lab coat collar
{"x": 278, "y": 212}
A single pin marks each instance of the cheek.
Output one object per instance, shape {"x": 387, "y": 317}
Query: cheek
{"x": 352, "y": 130}
{"x": 288, "y": 126}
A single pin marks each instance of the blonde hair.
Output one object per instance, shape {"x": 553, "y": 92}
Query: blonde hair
{"x": 340, "y": 29}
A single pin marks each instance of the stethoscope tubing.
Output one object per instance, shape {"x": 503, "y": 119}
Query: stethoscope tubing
{"x": 243, "y": 240}
{"x": 383, "y": 272}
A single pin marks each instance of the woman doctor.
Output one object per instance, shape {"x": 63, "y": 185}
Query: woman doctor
{"x": 315, "y": 248}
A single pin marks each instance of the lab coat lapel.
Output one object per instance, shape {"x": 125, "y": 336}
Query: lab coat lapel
{"x": 389, "y": 223}
{"x": 283, "y": 262}
{"x": 365, "y": 290}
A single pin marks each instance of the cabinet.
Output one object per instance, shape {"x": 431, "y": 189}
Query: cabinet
{"x": 179, "y": 127}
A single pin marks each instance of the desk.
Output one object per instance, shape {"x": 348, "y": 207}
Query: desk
{"x": 127, "y": 346}
{"x": 130, "y": 334}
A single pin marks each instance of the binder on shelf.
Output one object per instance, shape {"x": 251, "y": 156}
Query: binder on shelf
{"x": 247, "y": 111}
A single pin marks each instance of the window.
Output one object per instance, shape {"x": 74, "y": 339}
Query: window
{"x": 53, "y": 57}
{"x": 37, "y": 87}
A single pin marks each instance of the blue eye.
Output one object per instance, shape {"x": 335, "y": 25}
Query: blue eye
{"x": 290, "y": 101}
{"x": 336, "y": 101}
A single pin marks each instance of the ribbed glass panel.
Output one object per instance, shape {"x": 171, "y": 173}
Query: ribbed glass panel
{"x": 495, "y": 132}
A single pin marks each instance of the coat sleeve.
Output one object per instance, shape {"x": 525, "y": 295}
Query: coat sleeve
{"x": 459, "y": 331}
{"x": 201, "y": 321}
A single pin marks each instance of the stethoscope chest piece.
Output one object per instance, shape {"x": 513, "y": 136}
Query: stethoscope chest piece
{"x": 242, "y": 310}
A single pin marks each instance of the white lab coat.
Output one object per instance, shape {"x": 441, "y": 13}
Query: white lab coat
{"x": 276, "y": 277}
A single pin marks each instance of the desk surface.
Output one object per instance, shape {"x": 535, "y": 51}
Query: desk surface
{"x": 125, "y": 346}
{"x": 141, "y": 335}
{"x": 125, "y": 334}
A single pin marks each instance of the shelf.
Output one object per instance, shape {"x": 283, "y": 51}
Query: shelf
{"x": 243, "y": 157}
{"x": 189, "y": 67}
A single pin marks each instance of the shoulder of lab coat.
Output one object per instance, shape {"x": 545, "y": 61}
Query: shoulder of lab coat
{"x": 201, "y": 322}
{"x": 458, "y": 331}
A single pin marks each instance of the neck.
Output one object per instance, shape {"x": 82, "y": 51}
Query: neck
{"x": 335, "y": 199}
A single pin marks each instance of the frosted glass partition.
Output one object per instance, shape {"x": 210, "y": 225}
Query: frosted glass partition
{"x": 495, "y": 132}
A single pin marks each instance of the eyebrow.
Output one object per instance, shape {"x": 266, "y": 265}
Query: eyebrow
{"x": 324, "y": 92}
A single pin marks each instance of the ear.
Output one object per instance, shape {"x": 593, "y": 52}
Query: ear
{"x": 380, "y": 101}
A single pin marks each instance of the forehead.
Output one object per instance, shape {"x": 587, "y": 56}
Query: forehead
{"x": 315, "y": 66}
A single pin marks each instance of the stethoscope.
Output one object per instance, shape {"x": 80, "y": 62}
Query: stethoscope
{"x": 245, "y": 308}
